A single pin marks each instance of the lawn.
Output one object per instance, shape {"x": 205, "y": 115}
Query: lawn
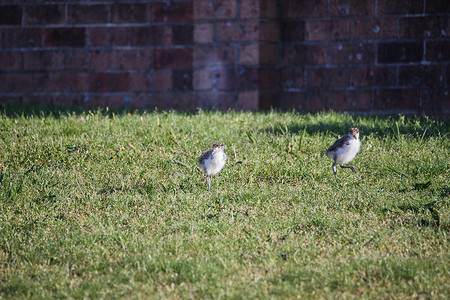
{"x": 102, "y": 204}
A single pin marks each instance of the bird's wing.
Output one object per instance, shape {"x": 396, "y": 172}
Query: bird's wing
{"x": 204, "y": 156}
{"x": 345, "y": 140}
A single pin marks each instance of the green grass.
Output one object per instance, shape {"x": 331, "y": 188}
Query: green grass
{"x": 113, "y": 205}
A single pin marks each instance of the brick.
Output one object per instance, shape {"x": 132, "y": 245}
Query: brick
{"x": 305, "y": 54}
{"x": 352, "y": 8}
{"x": 292, "y": 100}
{"x": 248, "y": 100}
{"x": 372, "y": 76}
{"x": 183, "y": 34}
{"x": 379, "y": 28}
{"x": 79, "y": 59}
{"x": 243, "y": 79}
{"x": 87, "y": 14}
{"x": 268, "y": 78}
{"x": 237, "y": 31}
{"x": 21, "y": 37}
{"x": 60, "y": 37}
{"x": 161, "y": 80}
{"x": 328, "y": 77}
{"x": 55, "y": 100}
{"x": 388, "y": 7}
{"x": 108, "y": 36}
{"x": 268, "y": 100}
{"x": 397, "y": 100}
{"x": 292, "y": 78}
{"x": 178, "y": 101}
{"x": 269, "y": 32}
{"x": 293, "y": 31}
{"x": 131, "y": 59}
{"x": 162, "y": 35}
{"x": 213, "y": 56}
{"x": 352, "y": 53}
{"x": 140, "y": 36}
{"x": 130, "y": 13}
{"x": 350, "y": 100}
{"x": 10, "y": 15}
{"x": 203, "y": 80}
{"x": 437, "y": 7}
{"x": 435, "y": 101}
{"x": 259, "y": 54}
{"x": 269, "y": 54}
{"x": 173, "y": 12}
{"x": 108, "y": 82}
{"x": 43, "y": 60}
{"x": 214, "y": 9}
{"x": 421, "y": 76}
{"x": 327, "y": 30}
{"x": 98, "y": 60}
{"x": 203, "y": 33}
{"x": 395, "y": 52}
{"x": 44, "y": 14}
{"x": 157, "y": 81}
{"x": 216, "y": 100}
{"x": 66, "y": 82}
{"x": 418, "y": 27}
{"x": 438, "y": 51}
{"x": 254, "y": 9}
{"x": 182, "y": 80}
{"x": 10, "y": 61}
{"x": 292, "y": 9}
{"x": 22, "y": 83}
{"x": 249, "y": 54}
{"x": 173, "y": 58}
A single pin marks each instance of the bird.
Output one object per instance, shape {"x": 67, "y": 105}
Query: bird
{"x": 344, "y": 150}
{"x": 213, "y": 161}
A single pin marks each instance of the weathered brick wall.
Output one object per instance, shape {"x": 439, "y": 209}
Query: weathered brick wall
{"x": 353, "y": 55}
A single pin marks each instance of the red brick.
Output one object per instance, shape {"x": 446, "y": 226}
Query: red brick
{"x": 292, "y": 100}
{"x": 327, "y": 30}
{"x": 352, "y": 54}
{"x": 99, "y": 60}
{"x": 66, "y": 82}
{"x": 178, "y": 101}
{"x": 292, "y": 9}
{"x": 87, "y": 14}
{"x": 249, "y": 54}
{"x": 268, "y": 78}
{"x": 214, "y": 9}
{"x": 55, "y": 100}
{"x": 108, "y": 82}
{"x": 419, "y": 27}
{"x": 162, "y": 35}
{"x": 437, "y": 6}
{"x": 21, "y": 37}
{"x": 157, "y": 81}
{"x": 22, "y": 83}
{"x": 60, "y": 37}
{"x": 435, "y": 101}
{"x": 10, "y": 61}
{"x": 421, "y": 76}
{"x": 293, "y": 31}
{"x": 438, "y": 51}
{"x": 292, "y": 78}
{"x": 79, "y": 59}
{"x": 43, "y": 60}
{"x": 203, "y": 33}
{"x": 237, "y": 31}
{"x": 396, "y": 99}
{"x": 305, "y": 54}
{"x": 366, "y": 76}
{"x": 203, "y": 80}
{"x": 173, "y": 58}
{"x": 352, "y": 8}
{"x": 269, "y": 54}
{"x": 140, "y": 36}
{"x": 130, "y": 60}
{"x": 350, "y": 100}
{"x": 259, "y": 54}
{"x": 213, "y": 56}
{"x": 243, "y": 79}
{"x": 248, "y": 100}
{"x": 328, "y": 77}
{"x": 379, "y": 28}
{"x": 254, "y": 9}
{"x": 388, "y": 7}
{"x": 130, "y": 13}
{"x": 10, "y": 15}
{"x": 394, "y": 52}
{"x": 108, "y": 36}
{"x": 182, "y": 80}
{"x": 44, "y": 14}
{"x": 269, "y": 32}
{"x": 173, "y": 12}
{"x": 182, "y": 34}
{"x": 216, "y": 100}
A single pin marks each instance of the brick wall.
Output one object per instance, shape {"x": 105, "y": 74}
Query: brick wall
{"x": 377, "y": 56}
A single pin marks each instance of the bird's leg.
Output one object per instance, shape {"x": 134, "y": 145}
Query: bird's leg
{"x": 349, "y": 167}
{"x": 334, "y": 170}
{"x": 208, "y": 180}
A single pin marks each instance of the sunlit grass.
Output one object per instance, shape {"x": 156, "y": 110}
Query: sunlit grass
{"x": 101, "y": 204}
